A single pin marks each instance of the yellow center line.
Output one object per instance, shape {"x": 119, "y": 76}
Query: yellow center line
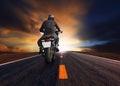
{"x": 62, "y": 72}
{"x": 61, "y": 55}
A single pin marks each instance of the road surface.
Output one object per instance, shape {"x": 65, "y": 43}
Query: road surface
{"x": 80, "y": 70}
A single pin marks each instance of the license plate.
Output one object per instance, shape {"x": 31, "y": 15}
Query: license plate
{"x": 46, "y": 44}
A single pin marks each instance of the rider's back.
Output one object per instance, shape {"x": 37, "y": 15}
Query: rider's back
{"x": 50, "y": 24}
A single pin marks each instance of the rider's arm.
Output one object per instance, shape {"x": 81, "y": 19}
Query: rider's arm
{"x": 42, "y": 27}
{"x": 57, "y": 27}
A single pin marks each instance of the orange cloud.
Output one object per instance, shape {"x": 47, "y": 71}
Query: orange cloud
{"x": 64, "y": 15}
{"x": 3, "y": 48}
{"x": 25, "y": 39}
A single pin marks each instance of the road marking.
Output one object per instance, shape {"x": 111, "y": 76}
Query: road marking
{"x": 62, "y": 72}
{"x": 17, "y": 60}
{"x": 61, "y": 55}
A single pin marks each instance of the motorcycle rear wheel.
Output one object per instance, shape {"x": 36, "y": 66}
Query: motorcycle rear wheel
{"x": 48, "y": 55}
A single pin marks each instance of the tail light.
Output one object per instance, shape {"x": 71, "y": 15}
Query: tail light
{"x": 48, "y": 36}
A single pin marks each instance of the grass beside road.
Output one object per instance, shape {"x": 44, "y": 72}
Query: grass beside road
{"x": 7, "y": 57}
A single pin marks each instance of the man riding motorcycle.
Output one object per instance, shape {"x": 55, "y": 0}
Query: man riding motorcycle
{"x": 49, "y": 26}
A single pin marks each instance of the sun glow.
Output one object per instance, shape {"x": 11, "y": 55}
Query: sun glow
{"x": 69, "y": 43}
{"x": 65, "y": 47}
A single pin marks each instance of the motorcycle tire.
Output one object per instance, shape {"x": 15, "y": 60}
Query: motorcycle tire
{"x": 48, "y": 55}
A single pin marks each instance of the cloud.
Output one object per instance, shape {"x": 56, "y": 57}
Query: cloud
{"x": 101, "y": 24}
{"x": 92, "y": 21}
{"x": 17, "y": 41}
{"x": 26, "y": 15}
{"x": 102, "y": 21}
{"x": 4, "y": 48}
{"x": 20, "y": 20}
{"x": 9, "y": 16}
{"x": 107, "y": 31}
{"x": 112, "y": 47}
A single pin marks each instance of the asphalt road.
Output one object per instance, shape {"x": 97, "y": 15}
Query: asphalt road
{"x": 81, "y": 69}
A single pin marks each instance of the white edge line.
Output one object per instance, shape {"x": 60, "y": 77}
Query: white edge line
{"x": 101, "y": 57}
{"x": 106, "y": 58}
{"x": 17, "y": 60}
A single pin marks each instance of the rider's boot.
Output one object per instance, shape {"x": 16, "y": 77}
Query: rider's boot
{"x": 40, "y": 50}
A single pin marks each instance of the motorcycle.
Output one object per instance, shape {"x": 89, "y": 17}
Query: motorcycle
{"x": 49, "y": 48}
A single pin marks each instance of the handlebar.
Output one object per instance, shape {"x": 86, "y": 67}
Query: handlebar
{"x": 60, "y": 31}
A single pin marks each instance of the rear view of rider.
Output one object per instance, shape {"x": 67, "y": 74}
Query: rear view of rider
{"x": 49, "y": 26}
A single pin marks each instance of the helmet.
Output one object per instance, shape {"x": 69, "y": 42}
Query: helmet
{"x": 50, "y": 16}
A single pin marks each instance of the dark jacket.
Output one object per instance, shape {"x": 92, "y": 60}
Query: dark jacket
{"x": 49, "y": 26}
